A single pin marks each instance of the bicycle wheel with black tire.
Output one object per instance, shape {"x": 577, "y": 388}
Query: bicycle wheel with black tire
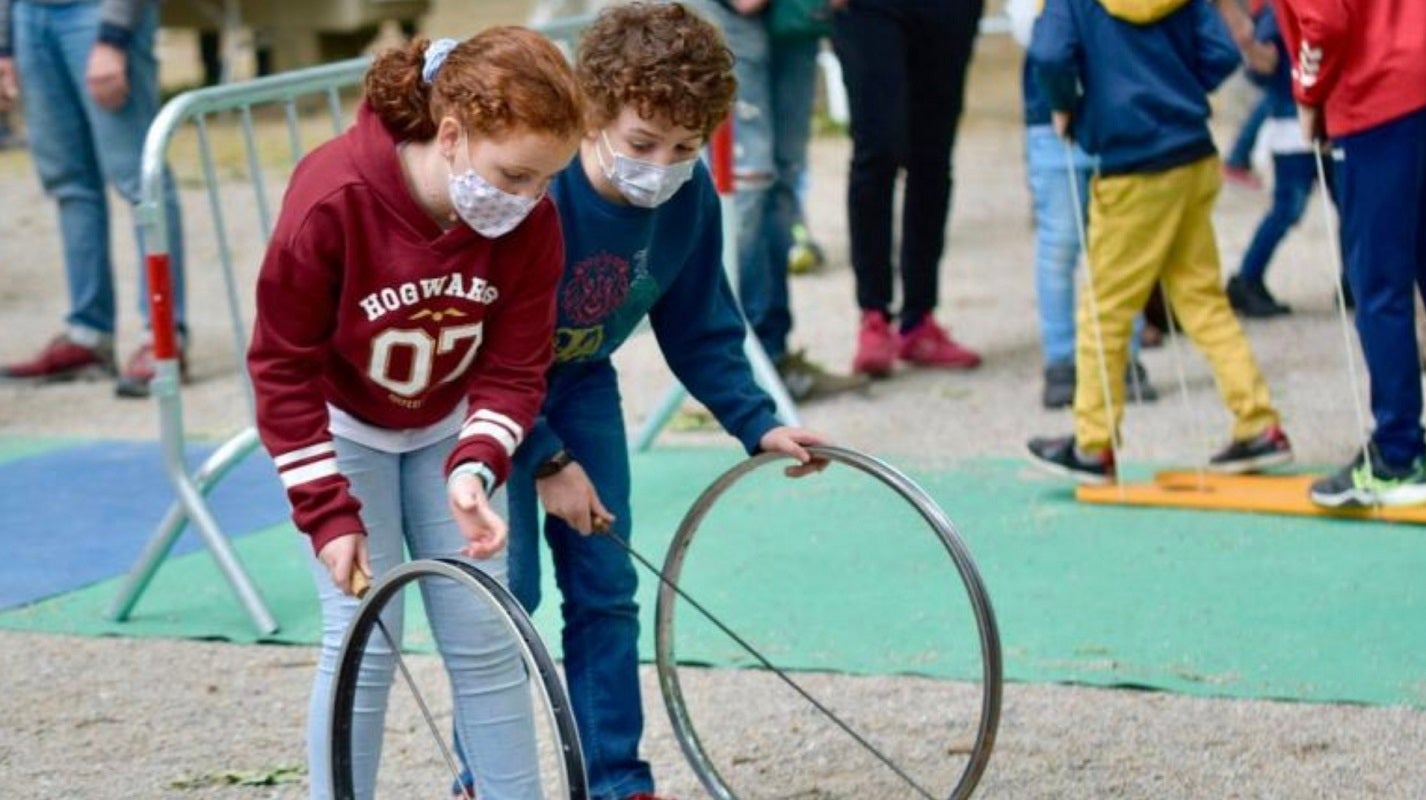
{"x": 562, "y": 771}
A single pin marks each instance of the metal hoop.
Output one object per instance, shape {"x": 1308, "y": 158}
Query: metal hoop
{"x": 541, "y": 666}
{"x": 991, "y": 665}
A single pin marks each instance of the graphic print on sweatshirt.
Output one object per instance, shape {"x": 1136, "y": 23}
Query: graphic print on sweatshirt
{"x": 596, "y": 293}
{"x": 420, "y": 336}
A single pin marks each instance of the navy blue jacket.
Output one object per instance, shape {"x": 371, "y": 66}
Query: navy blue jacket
{"x": 1135, "y": 76}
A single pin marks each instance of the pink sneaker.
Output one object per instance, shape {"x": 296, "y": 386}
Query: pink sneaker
{"x": 140, "y": 369}
{"x": 1242, "y": 176}
{"x": 876, "y": 346}
{"x": 929, "y": 345}
{"x": 62, "y": 360}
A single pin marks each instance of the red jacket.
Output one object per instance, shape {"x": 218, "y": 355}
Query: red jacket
{"x": 1362, "y": 61}
{"x": 365, "y": 303}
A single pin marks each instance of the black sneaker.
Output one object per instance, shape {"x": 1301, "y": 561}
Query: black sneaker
{"x": 1059, "y": 385}
{"x": 1058, "y": 457}
{"x": 1137, "y": 388}
{"x": 1357, "y": 485}
{"x": 1268, "y": 449}
{"x": 1252, "y": 299}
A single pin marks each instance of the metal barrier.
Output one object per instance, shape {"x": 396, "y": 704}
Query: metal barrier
{"x": 202, "y": 107}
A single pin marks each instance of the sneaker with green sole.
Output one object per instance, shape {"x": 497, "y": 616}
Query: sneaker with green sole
{"x": 1366, "y": 483}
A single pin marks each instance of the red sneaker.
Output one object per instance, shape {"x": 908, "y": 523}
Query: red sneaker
{"x": 876, "y": 346}
{"x": 646, "y": 796}
{"x": 140, "y": 369}
{"x": 1242, "y": 176}
{"x": 929, "y": 345}
{"x": 63, "y": 359}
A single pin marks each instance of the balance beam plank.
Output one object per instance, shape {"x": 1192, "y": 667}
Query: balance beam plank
{"x": 1265, "y": 494}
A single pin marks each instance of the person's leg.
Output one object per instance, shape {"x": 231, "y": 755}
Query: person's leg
{"x": 937, "y": 55}
{"x": 597, "y": 581}
{"x": 119, "y": 142}
{"x": 1056, "y": 241}
{"x": 1192, "y": 281}
{"x": 494, "y": 717}
{"x": 866, "y": 37}
{"x": 375, "y": 480}
{"x": 792, "y": 81}
{"x": 1294, "y": 176}
{"x": 1379, "y": 180}
{"x": 753, "y": 170}
{"x": 1132, "y": 224}
{"x": 52, "y": 47}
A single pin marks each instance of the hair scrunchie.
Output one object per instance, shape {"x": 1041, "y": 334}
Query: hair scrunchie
{"x": 436, "y": 53}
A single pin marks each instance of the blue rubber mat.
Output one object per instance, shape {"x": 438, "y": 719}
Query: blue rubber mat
{"x": 73, "y": 515}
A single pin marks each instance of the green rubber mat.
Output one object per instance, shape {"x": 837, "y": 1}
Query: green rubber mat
{"x": 835, "y": 572}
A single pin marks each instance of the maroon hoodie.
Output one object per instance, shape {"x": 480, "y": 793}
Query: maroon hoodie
{"x": 364, "y": 302}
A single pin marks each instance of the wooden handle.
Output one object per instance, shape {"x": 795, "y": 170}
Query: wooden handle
{"x": 360, "y": 581}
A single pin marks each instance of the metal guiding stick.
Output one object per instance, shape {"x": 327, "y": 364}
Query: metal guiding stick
{"x": 361, "y": 583}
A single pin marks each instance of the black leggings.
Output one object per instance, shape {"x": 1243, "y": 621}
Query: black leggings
{"x": 904, "y": 64}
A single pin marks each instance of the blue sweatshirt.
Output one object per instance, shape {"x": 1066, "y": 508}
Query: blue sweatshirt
{"x": 623, "y": 262}
{"x": 1135, "y": 76}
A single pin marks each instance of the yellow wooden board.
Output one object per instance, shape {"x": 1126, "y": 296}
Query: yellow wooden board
{"x": 1266, "y": 494}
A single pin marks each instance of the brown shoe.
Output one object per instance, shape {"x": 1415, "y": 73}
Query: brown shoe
{"x": 63, "y": 359}
{"x": 807, "y": 380}
{"x": 140, "y": 369}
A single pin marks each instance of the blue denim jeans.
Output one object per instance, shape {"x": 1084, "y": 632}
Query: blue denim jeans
{"x": 1241, "y": 154}
{"x": 79, "y": 147}
{"x": 1057, "y": 244}
{"x": 596, "y": 578}
{"x": 404, "y": 506}
{"x": 777, "y": 82}
{"x": 1381, "y": 179}
{"x": 1294, "y": 177}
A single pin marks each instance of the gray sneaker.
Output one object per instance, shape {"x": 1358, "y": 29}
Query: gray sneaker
{"x": 807, "y": 380}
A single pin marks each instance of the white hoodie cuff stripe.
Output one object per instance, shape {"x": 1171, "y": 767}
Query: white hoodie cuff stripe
{"x": 495, "y": 416}
{"x": 497, "y": 432}
{"x": 311, "y": 472}
{"x": 292, "y": 457}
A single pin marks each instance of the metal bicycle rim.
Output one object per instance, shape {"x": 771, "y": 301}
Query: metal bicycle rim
{"x": 559, "y": 715}
{"x": 991, "y": 663}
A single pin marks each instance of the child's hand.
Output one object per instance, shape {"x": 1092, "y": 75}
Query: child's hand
{"x": 344, "y": 556}
{"x": 485, "y": 531}
{"x": 1061, "y": 121}
{"x": 570, "y": 495}
{"x": 791, "y": 441}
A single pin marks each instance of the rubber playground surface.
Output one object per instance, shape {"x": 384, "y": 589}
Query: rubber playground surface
{"x": 830, "y": 573}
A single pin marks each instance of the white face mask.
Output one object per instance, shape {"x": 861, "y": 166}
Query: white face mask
{"x": 491, "y": 212}
{"x": 643, "y": 183}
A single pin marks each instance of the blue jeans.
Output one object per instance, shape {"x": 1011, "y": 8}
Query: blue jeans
{"x": 1294, "y": 176}
{"x": 79, "y": 147}
{"x": 777, "y": 82}
{"x": 596, "y": 578}
{"x": 1057, "y": 244}
{"x": 1381, "y": 179}
{"x": 404, "y": 505}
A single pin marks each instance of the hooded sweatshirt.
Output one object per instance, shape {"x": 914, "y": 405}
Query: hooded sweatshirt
{"x": 1135, "y": 77}
{"x": 1362, "y": 61}
{"x": 372, "y": 319}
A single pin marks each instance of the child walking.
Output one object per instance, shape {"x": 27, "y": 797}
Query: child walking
{"x": 405, "y": 310}
{"x": 1129, "y": 79}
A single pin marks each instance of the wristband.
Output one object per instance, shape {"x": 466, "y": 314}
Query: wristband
{"x": 557, "y": 462}
{"x": 479, "y": 470}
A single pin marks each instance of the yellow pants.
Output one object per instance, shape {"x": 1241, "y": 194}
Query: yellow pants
{"x": 1147, "y": 229}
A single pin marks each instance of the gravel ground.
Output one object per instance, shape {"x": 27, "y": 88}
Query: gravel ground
{"x": 114, "y": 718}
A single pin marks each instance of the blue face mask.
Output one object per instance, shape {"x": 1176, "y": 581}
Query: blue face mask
{"x": 643, "y": 183}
